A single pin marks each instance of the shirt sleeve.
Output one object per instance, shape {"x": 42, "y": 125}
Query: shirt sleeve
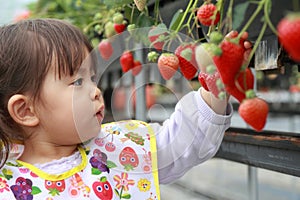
{"x": 191, "y": 135}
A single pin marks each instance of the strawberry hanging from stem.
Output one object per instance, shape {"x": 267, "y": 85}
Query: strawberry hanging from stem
{"x": 254, "y": 110}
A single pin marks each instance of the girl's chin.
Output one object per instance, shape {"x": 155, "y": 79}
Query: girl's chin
{"x": 90, "y": 134}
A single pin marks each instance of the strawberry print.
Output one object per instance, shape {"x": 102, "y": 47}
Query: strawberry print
{"x": 288, "y": 34}
{"x": 128, "y": 158}
{"x": 55, "y": 187}
{"x": 103, "y": 189}
{"x": 208, "y": 14}
{"x": 168, "y": 64}
{"x": 254, "y": 111}
{"x": 187, "y": 60}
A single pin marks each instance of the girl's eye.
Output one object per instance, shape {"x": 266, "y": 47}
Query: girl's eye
{"x": 78, "y": 82}
{"x": 94, "y": 78}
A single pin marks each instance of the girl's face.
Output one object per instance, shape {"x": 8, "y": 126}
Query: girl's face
{"x": 71, "y": 109}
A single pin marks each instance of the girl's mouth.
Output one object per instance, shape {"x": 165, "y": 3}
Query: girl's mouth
{"x": 100, "y": 115}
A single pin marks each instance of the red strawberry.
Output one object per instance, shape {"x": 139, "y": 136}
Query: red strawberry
{"x": 230, "y": 61}
{"x": 105, "y": 48}
{"x": 137, "y": 67}
{"x": 187, "y": 60}
{"x": 288, "y": 34}
{"x": 168, "y": 64}
{"x": 215, "y": 85}
{"x": 126, "y": 61}
{"x": 202, "y": 79}
{"x": 212, "y": 82}
{"x": 208, "y": 14}
{"x": 254, "y": 111}
{"x": 244, "y": 82}
{"x": 156, "y": 36}
{"x": 119, "y": 28}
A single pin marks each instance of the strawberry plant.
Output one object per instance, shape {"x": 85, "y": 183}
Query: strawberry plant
{"x": 200, "y": 34}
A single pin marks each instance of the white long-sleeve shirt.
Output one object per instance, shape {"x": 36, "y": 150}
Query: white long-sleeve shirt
{"x": 191, "y": 135}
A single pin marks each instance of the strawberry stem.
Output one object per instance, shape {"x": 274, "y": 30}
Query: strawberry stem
{"x": 156, "y": 11}
{"x": 187, "y": 10}
{"x": 267, "y": 17}
{"x": 254, "y": 15}
{"x": 261, "y": 34}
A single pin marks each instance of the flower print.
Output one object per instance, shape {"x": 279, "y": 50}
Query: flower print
{"x": 131, "y": 125}
{"x": 144, "y": 185}
{"x": 123, "y": 181}
{"x": 3, "y": 185}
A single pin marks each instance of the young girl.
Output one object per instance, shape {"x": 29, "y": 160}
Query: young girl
{"x": 50, "y": 116}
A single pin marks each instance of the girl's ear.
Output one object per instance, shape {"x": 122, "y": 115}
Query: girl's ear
{"x": 22, "y": 111}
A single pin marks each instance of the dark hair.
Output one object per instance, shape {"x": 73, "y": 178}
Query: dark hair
{"x": 27, "y": 50}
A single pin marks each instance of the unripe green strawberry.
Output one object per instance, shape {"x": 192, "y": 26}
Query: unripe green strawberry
{"x": 216, "y": 37}
{"x": 289, "y": 35}
{"x": 118, "y": 18}
{"x": 109, "y": 29}
{"x": 254, "y": 111}
{"x": 168, "y": 64}
{"x": 152, "y": 56}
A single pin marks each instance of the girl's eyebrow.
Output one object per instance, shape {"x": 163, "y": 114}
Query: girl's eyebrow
{"x": 82, "y": 70}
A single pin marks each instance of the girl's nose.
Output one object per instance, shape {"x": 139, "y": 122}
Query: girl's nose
{"x": 96, "y": 95}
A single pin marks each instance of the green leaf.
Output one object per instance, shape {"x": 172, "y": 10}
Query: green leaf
{"x": 128, "y": 167}
{"x": 35, "y": 190}
{"x": 144, "y": 21}
{"x": 176, "y": 19}
{"x": 8, "y": 177}
{"x": 110, "y": 164}
{"x": 116, "y": 3}
{"x": 117, "y": 192}
{"x": 96, "y": 171}
{"x": 158, "y": 30}
{"x": 239, "y": 14}
{"x": 103, "y": 179}
{"x": 126, "y": 196}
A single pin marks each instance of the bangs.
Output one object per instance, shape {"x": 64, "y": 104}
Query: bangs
{"x": 66, "y": 45}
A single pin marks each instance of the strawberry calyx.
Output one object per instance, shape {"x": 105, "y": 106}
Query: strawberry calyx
{"x": 250, "y": 94}
{"x": 152, "y": 56}
{"x": 291, "y": 16}
{"x": 212, "y": 49}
